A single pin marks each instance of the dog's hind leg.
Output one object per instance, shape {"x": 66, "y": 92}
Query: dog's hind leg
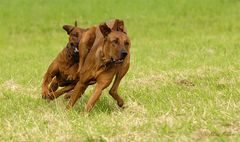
{"x": 54, "y": 95}
{"x": 114, "y": 90}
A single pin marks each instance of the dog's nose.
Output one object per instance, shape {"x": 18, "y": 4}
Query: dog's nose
{"x": 123, "y": 54}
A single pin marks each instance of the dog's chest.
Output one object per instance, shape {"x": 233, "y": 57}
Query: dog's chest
{"x": 108, "y": 70}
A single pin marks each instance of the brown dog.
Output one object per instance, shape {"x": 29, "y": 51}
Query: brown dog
{"x": 108, "y": 57}
{"x": 93, "y": 35}
{"x": 63, "y": 70}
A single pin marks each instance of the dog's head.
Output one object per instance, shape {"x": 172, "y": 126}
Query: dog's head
{"x": 116, "y": 42}
{"x": 75, "y": 34}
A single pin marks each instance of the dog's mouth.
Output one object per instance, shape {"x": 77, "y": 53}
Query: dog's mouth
{"x": 74, "y": 47}
{"x": 117, "y": 61}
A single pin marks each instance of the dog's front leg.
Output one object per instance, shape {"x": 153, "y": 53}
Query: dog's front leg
{"x": 77, "y": 92}
{"x": 85, "y": 46}
{"x": 51, "y": 72}
{"x": 82, "y": 55}
{"x": 114, "y": 90}
{"x": 53, "y": 85}
{"x": 95, "y": 96}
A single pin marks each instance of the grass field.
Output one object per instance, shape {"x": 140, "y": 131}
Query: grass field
{"x": 183, "y": 83}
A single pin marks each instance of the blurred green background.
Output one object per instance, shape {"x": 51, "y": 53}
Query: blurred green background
{"x": 183, "y": 83}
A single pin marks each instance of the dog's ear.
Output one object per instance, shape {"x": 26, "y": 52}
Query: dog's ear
{"x": 118, "y": 25}
{"x": 75, "y": 23}
{"x": 105, "y": 30}
{"x": 68, "y": 28}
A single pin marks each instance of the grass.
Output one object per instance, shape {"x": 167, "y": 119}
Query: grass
{"x": 183, "y": 83}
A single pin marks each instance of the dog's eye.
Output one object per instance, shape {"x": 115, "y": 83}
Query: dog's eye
{"x": 75, "y": 34}
{"x": 115, "y": 41}
{"x": 126, "y": 43}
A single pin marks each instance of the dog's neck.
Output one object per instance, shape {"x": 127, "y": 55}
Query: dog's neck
{"x": 72, "y": 53}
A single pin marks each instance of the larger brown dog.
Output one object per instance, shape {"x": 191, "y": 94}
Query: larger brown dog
{"x": 63, "y": 69}
{"x": 93, "y": 35}
{"x": 108, "y": 57}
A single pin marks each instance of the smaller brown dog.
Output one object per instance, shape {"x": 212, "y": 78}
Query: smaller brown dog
{"x": 62, "y": 72}
{"x": 108, "y": 57}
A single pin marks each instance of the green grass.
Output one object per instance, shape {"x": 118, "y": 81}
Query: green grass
{"x": 183, "y": 83}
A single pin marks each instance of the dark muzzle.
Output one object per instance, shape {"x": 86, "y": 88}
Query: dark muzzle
{"x": 123, "y": 54}
{"x": 75, "y": 53}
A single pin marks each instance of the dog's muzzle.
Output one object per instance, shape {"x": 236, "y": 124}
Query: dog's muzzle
{"x": 75, "y": 49}
{"x": 123, "y": 54}
{"x": 75, "y": 52}
{"x": 118, "y": 61}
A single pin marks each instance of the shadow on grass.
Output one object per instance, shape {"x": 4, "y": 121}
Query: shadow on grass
{"x": 17, "y": 102}
{"x": 105, "y": 104}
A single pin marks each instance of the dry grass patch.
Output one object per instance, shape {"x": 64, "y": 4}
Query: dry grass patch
{"x": 124, "y": 125}
{"x": 46, "y": 126}
{"x": 201, "y": 134}
{"x": 11, "y": 85}
{"x": 148, "y": 80}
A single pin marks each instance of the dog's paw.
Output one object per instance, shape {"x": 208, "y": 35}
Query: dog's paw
{"x": 45, "y": 93}
{"x": 71, "y": 77}
{"x": 120, "y": 103}
{"x": 48, "y": 96}
{"x": 51, "y": 96}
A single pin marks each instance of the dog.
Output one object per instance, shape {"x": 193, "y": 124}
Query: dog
{"x": 63, "y": 69}
{"x": 108, "y": 56}
{"x": 93, "y": 35}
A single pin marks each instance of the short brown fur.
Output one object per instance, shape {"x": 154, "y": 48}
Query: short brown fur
{"x": 103, "y": 60}
{"x": 63, "y": 69}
